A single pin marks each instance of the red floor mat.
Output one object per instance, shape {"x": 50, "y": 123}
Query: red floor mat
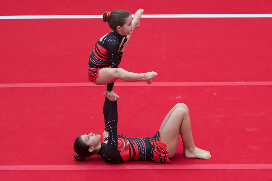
{"x": 224, "y": 175}
{"x": 233, "y": 125}
{"x": 39, "y": 124}
{"x": 193, "y": 50}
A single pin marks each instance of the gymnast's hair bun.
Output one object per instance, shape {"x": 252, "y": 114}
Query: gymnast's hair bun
{"x": 106, "y": 16}
{"x": 79, "y": 158}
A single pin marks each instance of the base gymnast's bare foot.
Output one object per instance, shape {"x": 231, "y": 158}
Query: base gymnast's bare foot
{"x": 197, "y": 153}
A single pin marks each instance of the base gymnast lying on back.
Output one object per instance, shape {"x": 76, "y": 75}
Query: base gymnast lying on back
{"x": 159, "y": 148}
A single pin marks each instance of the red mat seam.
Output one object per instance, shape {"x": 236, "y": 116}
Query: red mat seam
{"x": 140, "y": 167}
{"x": 155, "y": 84}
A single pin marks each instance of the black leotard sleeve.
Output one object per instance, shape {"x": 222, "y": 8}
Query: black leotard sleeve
{"x": 115, "y": 55}
{"x": 107, "y": 110}
{"x": 109, "y": 151}
{"x": 110, "y": 86}
{"x": 111, "y": 119}
{"x": 113, "y": 48}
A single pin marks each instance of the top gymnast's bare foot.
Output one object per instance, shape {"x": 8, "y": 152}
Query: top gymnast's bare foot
{"x": 149, "y": 76}
{"x": 197, "y": 153}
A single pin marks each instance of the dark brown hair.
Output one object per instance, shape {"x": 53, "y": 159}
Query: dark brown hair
{"x": 81, "y": 149}
{"x": 116, "y": 18}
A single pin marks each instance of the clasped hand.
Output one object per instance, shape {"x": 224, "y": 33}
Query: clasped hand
{"x": 112, "y": 96}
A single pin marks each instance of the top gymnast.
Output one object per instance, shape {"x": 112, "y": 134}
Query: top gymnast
{"x": 107, "y": 52}
{"x": 159, "y": 148}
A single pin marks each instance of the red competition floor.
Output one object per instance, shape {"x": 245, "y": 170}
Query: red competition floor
{"x": 223, "y": 118}
{"x": 39, "y": 121}
{"x": 48, "y": 7}
{"x": 195, "y": 50}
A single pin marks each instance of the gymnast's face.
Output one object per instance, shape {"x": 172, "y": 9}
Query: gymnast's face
{"x": 126, "y": 29}
{"x": 91, "y": 139}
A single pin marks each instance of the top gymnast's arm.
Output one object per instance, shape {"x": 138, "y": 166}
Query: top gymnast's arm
{"x": 135, "y": 24}
{"x": 115, "y": 64}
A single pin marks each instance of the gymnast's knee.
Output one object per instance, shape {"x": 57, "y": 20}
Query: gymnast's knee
{"x": 119, "y": 72}
{"x": 182, "y": 105}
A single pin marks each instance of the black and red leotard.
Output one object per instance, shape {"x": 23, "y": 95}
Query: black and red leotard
{"x": 120, "y": 149}
{"x": 106, "y": 53}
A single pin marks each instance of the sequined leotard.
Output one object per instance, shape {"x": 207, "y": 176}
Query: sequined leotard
{"x": 120, "y": 149}
{"x": 106, "y": 53}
